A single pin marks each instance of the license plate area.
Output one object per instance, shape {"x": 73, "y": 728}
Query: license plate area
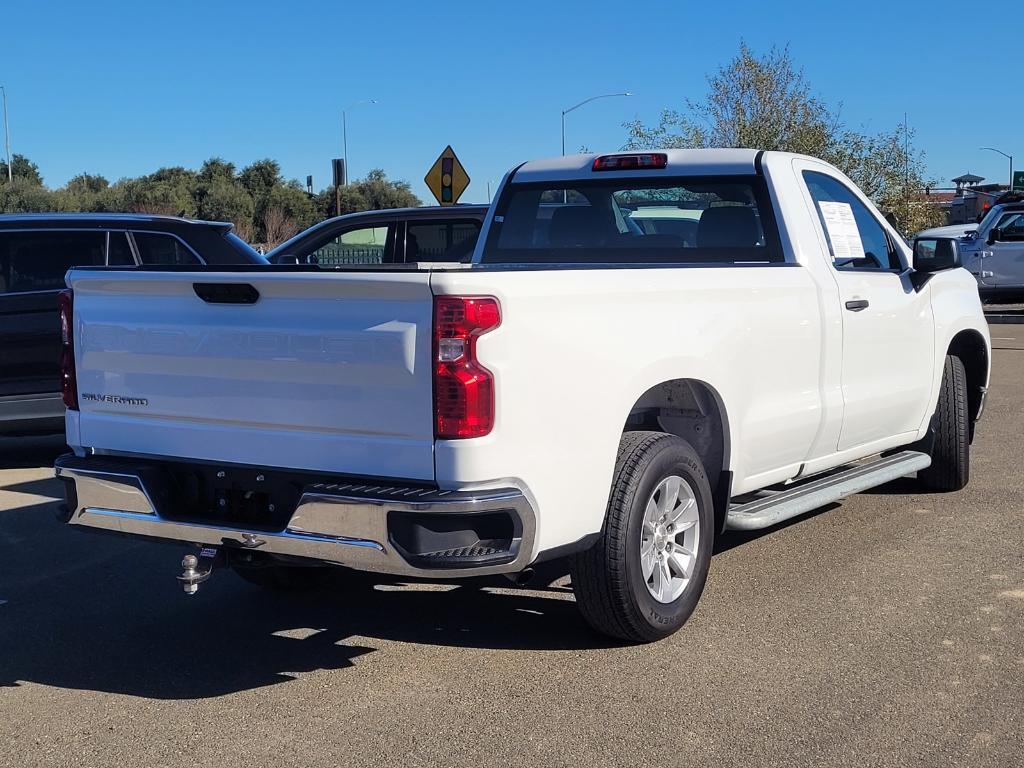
{"x": 231, "y": 496}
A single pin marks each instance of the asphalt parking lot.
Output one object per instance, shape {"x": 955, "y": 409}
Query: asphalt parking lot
{"x": 886, "y": 630}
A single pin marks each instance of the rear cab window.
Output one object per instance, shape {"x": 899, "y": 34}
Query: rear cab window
{"x": 635, "y": 220}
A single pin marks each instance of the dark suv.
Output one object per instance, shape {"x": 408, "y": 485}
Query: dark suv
{"x": 36, "y": 250}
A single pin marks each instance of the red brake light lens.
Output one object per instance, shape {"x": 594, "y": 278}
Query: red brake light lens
{"x": 68, "y": 379}
{"x": 463, "y": 389}
{"x": 641, "y": 161}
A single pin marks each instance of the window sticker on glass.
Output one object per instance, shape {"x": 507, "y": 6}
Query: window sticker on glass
{"x": 841, "y": 227}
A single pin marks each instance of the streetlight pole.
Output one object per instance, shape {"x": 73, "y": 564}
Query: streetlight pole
{"x": 586, "y": 101}
{"x": 344, "y": 132}
{"x": 7, "y": 139}
{"x": 1009, "y": 157}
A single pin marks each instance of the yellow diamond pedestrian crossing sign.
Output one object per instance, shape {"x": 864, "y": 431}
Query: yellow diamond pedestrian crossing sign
{"x": 447, "y": 179}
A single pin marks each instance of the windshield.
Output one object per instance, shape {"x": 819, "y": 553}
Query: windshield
{"x": 634, "y": 220}
{"x": 988, "y": 218}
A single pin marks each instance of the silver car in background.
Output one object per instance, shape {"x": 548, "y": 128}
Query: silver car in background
{"x": 992, "y": 250}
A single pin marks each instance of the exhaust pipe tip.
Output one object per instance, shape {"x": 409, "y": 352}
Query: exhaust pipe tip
{"x": 522, "y": 578}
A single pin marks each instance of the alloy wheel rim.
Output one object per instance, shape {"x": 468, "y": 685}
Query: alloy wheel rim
{"x": 669, "y": 539}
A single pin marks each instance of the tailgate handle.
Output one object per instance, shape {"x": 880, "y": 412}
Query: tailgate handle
{"x": 226, "y": 293}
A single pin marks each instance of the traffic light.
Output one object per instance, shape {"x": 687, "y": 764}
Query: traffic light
{"x": 447, "y": 166}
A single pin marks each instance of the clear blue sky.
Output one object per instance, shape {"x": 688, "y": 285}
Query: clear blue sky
{"x": 122, "y": 88}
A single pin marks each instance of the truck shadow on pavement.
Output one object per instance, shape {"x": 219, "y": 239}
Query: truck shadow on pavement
{"x": 31, "y": 452}
{"x": 82, "y": 610}
{"x": 94, "y": 612}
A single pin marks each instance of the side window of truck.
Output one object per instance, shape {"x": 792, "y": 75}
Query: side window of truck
{"x": 156, "y": 248}
{"x": 856, "y": 239}
{"x": 441, "y": 240}
{"x": 365, "y": 245}
{"x": 37, "y": 261}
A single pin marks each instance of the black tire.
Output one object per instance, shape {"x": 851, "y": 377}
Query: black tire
{"x": 286, "y": 577}
{"x": 610, "y": 588}
{"x": 950, "y": 450}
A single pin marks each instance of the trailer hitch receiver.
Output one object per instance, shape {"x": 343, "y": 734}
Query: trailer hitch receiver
{"x": 196, "y": 570}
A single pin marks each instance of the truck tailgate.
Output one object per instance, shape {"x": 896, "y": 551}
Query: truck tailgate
{"x": 324, "y": 371}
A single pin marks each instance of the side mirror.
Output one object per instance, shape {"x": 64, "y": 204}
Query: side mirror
{"x": 931, "y": 255}
{"x": 994, "y": 235}
{"x": 935, "y": 254}
{"x": 287, "y": 258}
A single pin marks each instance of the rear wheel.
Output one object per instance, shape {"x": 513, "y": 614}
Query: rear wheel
{"x": 950, "y": 451}
{"x": 642, "y": 579}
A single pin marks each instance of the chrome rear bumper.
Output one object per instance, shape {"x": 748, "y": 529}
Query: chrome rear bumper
{"x": 344, "y": 524}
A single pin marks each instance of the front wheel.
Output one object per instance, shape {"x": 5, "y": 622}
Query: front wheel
{"x": 951, "y": 446}
{"x": 642, "y": 579}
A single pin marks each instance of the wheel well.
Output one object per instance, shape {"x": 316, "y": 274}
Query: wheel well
{"x": 692, "y": 410}
{"x": 970, "y": 347}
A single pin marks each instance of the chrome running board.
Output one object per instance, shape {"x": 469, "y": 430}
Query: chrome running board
{"x": 773, "y": 507}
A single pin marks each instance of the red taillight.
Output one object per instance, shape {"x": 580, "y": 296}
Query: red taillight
{"x": 463, "y": 389}
{"x": 641, "y": 161}
{"x": 68, "y": 382}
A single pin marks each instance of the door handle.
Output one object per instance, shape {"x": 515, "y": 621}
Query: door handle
{"x": 226, "y": 293}
{"x": 857, "y": 305}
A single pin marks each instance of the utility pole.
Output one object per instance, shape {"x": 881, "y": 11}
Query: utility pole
{"x": 6, "y": 133}
{"x": 906, "y": 172}
{"x": 1009, "y": 157}
{"x": 565, "y": 192}
{"x": 585, "y": 101}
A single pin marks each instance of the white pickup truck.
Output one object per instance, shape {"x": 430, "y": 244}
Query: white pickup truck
{"x": 648, "y": 349}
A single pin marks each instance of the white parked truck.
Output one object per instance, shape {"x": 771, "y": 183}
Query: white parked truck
{"x": 648, "y": 349}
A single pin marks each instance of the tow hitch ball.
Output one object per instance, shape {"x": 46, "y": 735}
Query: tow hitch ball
{"x": 197, "y": 569}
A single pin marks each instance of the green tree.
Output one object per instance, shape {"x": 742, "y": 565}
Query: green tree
{"x": 382, "y": 193}
{"x": 83, "y": 192}
{"x": 263, "y": 206}
{"x": 766, "y": 102}
{"x": 27, "y": 198}
{"x": 373, "y": 193}
{"x": 23, "y": 170}
{"x": 223, "y": 199}
{"x": 86, "y": 184}
{"x": 169, "y": 191}
{"x": 260, "y": 177}
{"x": 217, "y": 168}
{"x": 287, "y": 210}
